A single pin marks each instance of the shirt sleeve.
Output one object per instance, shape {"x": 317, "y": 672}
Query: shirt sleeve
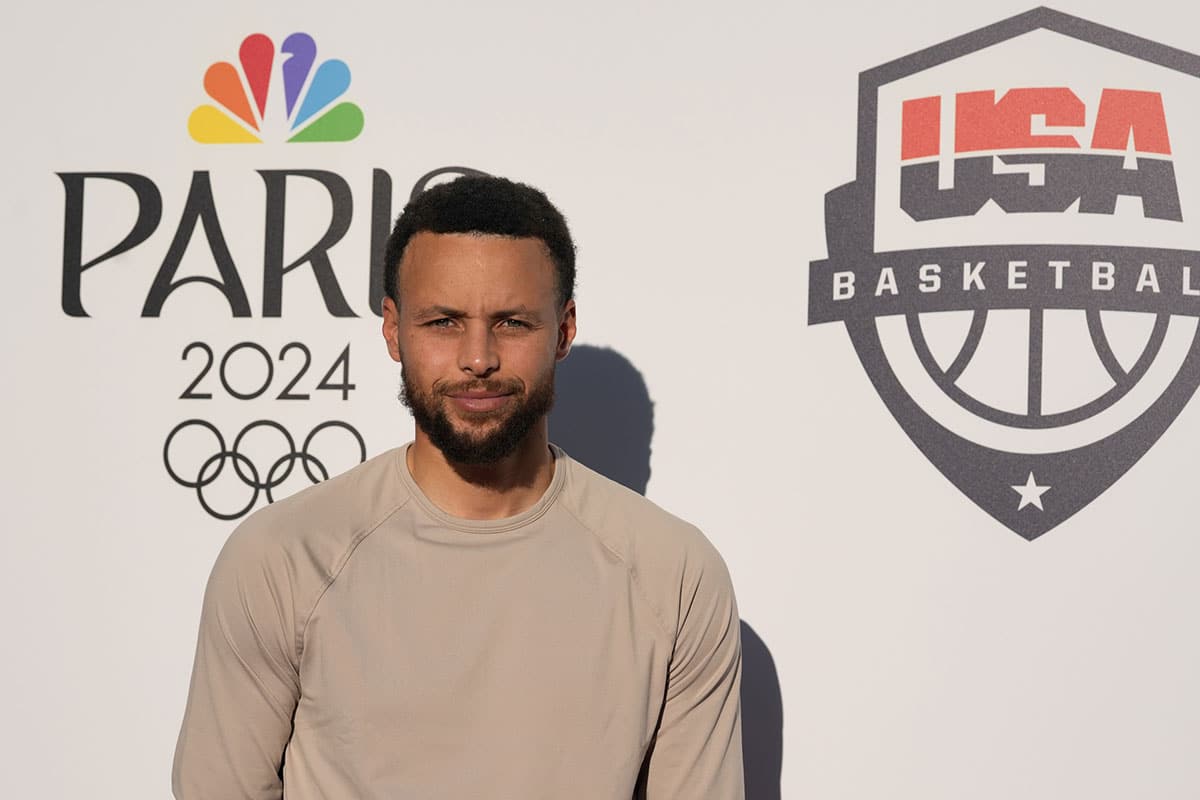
{"x": 245, "y": 680}
{"x": 697, "y": 748}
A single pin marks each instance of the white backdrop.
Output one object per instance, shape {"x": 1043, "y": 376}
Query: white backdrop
{"x": 922, "y": 649}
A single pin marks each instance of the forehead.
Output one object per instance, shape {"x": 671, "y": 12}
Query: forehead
{"x": 439, "y": 267}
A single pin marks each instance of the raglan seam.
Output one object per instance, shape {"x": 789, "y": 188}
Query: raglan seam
{"x": 339, "y": 565}
{"x": 262, "y": 685}
{"x": 633, "y": 576}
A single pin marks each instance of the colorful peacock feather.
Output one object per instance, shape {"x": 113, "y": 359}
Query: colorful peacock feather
{"x": 309, "y": 95}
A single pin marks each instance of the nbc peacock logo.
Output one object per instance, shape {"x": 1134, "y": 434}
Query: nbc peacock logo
{"x": 276, "y": 95}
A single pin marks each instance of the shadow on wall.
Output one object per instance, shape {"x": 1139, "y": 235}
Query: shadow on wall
{"x": 604, "y": 418}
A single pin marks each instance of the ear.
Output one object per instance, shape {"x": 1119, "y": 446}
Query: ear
{"x": 391, "y": 328}
{"x": 566, "y": 331}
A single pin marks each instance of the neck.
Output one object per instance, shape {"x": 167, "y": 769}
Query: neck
{"x": 484, "y": 491}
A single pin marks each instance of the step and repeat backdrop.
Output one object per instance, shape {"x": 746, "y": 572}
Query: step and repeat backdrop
{"x": 899, "y": 305}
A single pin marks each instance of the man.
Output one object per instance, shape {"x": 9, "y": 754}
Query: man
{"x": 474, "y": 615}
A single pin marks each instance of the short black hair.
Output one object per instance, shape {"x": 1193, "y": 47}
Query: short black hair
{"x": 488, "y": 205}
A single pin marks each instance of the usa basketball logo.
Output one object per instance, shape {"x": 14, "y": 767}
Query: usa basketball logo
{"x": 1012, "y": 262}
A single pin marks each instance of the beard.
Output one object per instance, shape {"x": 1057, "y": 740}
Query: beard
{"x": 491, "y": 435}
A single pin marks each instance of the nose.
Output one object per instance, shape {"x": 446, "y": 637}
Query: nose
{"x": 477, "y": 354}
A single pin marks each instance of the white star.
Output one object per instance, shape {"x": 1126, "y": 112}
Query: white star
{"x": 1031, "y": 493}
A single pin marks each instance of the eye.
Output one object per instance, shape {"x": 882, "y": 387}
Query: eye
{"x": 441, "y": 322}
{"x": 513, "y": 323}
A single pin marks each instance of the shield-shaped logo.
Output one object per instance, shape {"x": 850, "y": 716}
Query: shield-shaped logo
{"x": 1012, "y": 261}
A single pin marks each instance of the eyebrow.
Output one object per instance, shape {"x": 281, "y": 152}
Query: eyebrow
{"x": 454, "y": 313}
{"x": 438, "y": 311}
{"x": 515, "y": 311}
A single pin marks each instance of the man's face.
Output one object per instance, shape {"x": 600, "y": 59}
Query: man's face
{"x": 477, "y": 333}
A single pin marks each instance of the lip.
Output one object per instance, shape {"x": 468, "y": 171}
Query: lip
{"x": 481, "y": 401}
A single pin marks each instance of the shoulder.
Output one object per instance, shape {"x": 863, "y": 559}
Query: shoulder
{"x": 306, "y": 536}
{"x": 670, "y": 559}
{"x": 276, "y": 564}
{"x": 628, "y": 522}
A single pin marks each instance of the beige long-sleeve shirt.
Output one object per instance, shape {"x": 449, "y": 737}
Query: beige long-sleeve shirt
{"x": 356, "y": 642}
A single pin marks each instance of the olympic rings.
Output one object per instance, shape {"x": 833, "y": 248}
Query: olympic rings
{"x": 245, "y": 468}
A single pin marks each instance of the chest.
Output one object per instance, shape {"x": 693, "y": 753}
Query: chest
{"x": 433, "y": 653}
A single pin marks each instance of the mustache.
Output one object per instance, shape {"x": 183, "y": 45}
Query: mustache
{"x": 510, "y": 386}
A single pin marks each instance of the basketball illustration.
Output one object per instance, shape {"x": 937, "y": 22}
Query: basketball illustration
{"x": 1022, "y": 348}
